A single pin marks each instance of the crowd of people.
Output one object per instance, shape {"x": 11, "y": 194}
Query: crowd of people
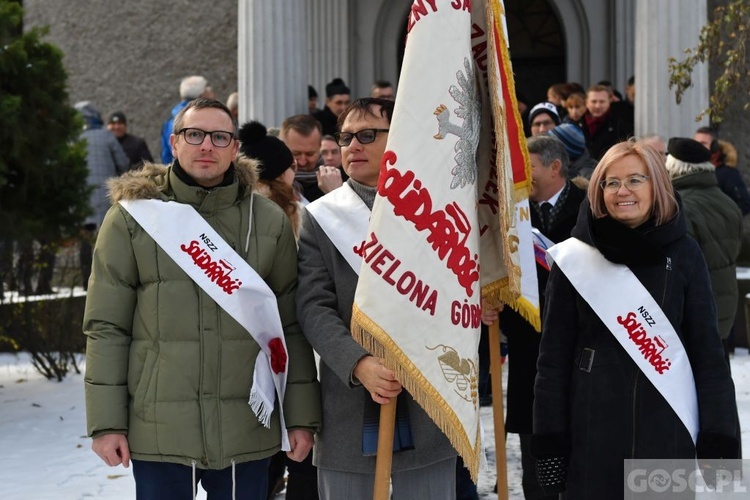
{"x": 247, "y": 212}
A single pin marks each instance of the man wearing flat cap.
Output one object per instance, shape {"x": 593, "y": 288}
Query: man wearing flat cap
{"x": 337, "y": 99}
{"x": 713, "y": 219}
{"x": 135, "y": 147}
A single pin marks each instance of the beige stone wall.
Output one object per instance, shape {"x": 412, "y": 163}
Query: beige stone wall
{"x": 131, "y": 55}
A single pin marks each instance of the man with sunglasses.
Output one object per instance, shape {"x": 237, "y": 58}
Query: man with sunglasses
{"x": 353, "y": 383}
{"x": 190, "y": 311}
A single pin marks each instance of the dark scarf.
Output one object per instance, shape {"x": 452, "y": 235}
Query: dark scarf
{"x": 621, "y": 244}
{"x": 556, "y": 208}
{"x": 402, "y": 437}
{"x": 185, "y": 177}
{"x": 624, "y": 245}
{"x": 307, "y": 180}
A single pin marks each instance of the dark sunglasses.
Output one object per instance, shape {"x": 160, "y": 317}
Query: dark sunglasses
{"x": 364, "y": 136}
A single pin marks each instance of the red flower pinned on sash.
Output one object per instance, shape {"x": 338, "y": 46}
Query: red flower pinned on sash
{"x": 278, "y": 355}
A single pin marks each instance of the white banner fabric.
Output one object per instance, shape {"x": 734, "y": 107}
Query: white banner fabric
{"x": 417, "y": 303}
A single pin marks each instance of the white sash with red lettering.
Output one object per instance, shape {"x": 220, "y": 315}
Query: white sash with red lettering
{"x": 635, "y": 319}
{"x": 230, "y": 281}
{"x": 344, "y": 218}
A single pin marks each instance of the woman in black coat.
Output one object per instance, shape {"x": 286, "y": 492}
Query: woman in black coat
{"x": 593, "y": 406}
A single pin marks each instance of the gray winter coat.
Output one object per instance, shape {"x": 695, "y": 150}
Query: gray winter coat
{"x": 324, "y": 306}
{"x": 105, "y": 159}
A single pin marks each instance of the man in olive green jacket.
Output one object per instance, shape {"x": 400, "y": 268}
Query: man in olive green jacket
{"x": 168, "y": 371}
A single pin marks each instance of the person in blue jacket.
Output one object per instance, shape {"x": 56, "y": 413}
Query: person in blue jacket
{"x": 191, "y": 87}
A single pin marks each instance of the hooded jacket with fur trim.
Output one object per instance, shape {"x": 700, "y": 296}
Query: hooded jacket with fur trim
{"x": 715, "y": 222}
{"x": 165, "y": 365}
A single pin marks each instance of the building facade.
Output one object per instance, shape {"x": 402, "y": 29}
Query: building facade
{"x": 131, "y": 56}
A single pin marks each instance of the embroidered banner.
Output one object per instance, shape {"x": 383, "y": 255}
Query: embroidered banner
{"x": 509, "y": 274}
{"x": 417, "y": 303}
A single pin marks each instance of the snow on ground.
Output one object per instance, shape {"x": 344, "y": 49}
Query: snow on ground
{"x": 45, "y": 455}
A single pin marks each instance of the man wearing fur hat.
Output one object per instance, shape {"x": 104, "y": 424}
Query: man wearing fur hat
{"x": 713, "y": 219}
{"x": 190, "y": 311}
{"x": 337, "y": 99}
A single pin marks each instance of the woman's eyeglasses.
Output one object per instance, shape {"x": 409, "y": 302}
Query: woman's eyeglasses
{"x": 632, "y": 183}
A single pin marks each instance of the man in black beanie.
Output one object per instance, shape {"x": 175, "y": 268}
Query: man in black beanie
{"x": 337, "y": 99}
{"x": 134, "y": 146}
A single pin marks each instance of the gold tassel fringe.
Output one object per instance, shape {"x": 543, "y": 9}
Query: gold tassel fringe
{"x": 378, "y": 343}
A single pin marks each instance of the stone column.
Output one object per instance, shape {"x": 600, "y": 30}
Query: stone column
{"x": 623, "y": 45}
{"x": 328, "y": 44}
{"x": 272, "y": 64}
{"x": 664, "y": 29}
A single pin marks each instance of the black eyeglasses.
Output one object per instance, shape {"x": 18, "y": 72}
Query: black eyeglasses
{"x": 364, "y": 136}
{"x": 195, "y": 136}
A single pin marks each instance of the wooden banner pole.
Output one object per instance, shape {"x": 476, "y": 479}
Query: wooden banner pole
{"x": 496, "y": 376}
{"x": 385, "y": 451}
